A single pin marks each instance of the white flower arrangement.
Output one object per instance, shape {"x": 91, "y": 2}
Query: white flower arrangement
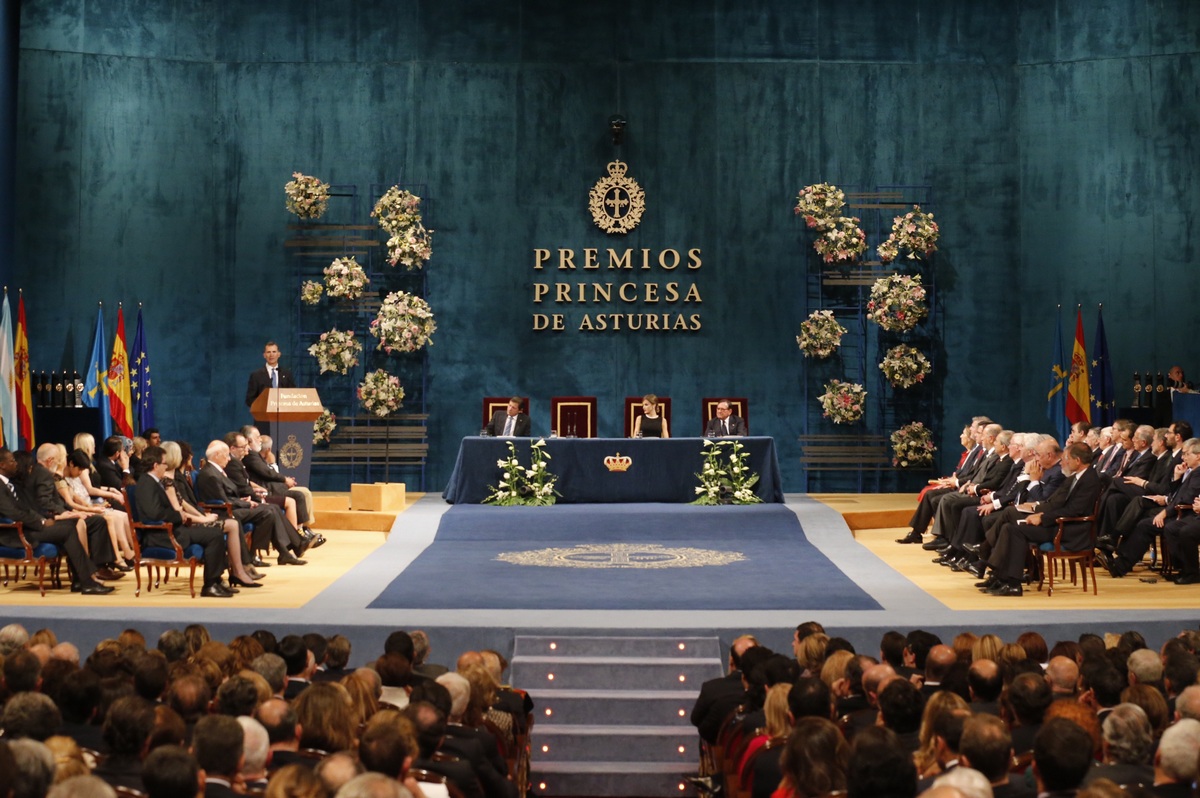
{"x": 915, "y": 232}
{"x": 820, "y": 204}
{"x": 905, "y": 366}
{"x": 532, "y": 486}
{"x": 405, "y": 323}
{"x": 323, "y": 427}
{"x": 336, "y": 350}
{"x": 311, "y": 291}
{"x": 897, "y": 302}
{"x": 912, "y": 445}
{"x": 381, "y": 393}
{"x": 841, "y": 240}
{"x": 843, "y": 402}
{"x": 345, "y": 279}
{"x": 820, "y": 334}
{"x": 307, "y": 196}
{"x": 725, "y": 478}
{"x": 399, "y": 214}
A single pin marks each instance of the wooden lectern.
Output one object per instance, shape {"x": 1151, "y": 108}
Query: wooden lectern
{"x": 287, "y": 415}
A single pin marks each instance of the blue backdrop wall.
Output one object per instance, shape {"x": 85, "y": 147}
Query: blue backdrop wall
{"x": 154, "y": 138}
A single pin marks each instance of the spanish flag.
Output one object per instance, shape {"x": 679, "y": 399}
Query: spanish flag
{"x": 120, "y": 406}
{"x": 1079, "y": 395}
{"x": 24, "y": 400}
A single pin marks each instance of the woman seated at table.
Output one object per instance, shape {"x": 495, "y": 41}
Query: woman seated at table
{"x": 650, "y": 424}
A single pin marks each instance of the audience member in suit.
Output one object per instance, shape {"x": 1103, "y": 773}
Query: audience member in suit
{"x": 1128, "y": 746}
{"x": 993, "y": 477}
{"x": 1022, "y": 448}
{"x": 236, "y": 471}
{"x": 900, "y": 709}
{"x": 271, "y": 375}
{"x": 276, "y": 484}
{"x": 1114, "y": 529}
{"x": 300, "y": 665}
{"x": 1062, "y": 755}
{"x": 113, "y": 463}
{"x": 170, "y": 771}
{"x": 40, "y": 484}
{"x": 510, "y": 422}
{"x": 1076, "y": 497}
{"x": 724, "y": 688}
{"x": 430, "y": 725}
{"x": 127, "y": 728}
{"x": 213, "y": 484}
{"x": 725, "y": 423}
{"x": 930, "y": 498}
{"x": 153, "y": 504}
{"x": 1152, "y": 464}
{"x": 985, "y": 683}
{"x": 217, "y": 745}
{"x": 1137, "y": 543}
{"x": 68, "y": 532}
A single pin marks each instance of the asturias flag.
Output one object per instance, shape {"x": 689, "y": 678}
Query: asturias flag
{"x": 1056, "y": 396}
{"x": 139, "y": 382}
{"x": 95, "y": 387}
{"x": 1104, "y": 399}
{"x": 1079, "y": 396}
{"x": 21, "y": 364}
{"x": 8, "y": 385}
{"x": 119, "y": 403}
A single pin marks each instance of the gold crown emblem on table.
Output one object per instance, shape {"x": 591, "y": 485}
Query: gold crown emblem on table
{"x": 618, "y": 462}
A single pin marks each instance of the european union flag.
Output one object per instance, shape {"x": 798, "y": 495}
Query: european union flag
{"x": 1104, "y": 399}
{"x": 95, "y": 387}
{"x": 139, "y": 380}
{"x": 1056, "y": 397}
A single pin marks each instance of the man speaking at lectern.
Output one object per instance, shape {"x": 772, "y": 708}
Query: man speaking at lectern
{"x": 269, "y": 376}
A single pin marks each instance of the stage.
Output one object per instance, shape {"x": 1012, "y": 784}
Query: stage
{"x": 872, "y": 584}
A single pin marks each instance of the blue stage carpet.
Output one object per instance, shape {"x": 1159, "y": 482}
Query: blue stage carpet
{"x": 622, "y": 556}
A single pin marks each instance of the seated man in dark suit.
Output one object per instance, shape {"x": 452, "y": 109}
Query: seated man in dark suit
{"x": 214, "y": 484}
{"x": 269, "y": 376}
{"x": 153, "y": 504}
{"x": 256, "y": 476}
{"x": 217, "y": 745}
{"x": 1075, "y": 497}
{"x": 724, "y": 423}
{"x": 509, "y": 423}
{"x": 39, "y": 483}
{"x": 430, "y": 724}
{"x": 68, "y": 532}
{"x": 113, "y": 463}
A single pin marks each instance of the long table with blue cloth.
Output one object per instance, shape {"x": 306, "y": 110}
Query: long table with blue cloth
{"x": 659, "y": 469}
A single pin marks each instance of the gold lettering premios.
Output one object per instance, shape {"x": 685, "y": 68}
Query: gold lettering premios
{"x": 682, "y": 293}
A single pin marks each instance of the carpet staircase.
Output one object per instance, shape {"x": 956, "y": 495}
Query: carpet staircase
{"x": 612, "y": 713}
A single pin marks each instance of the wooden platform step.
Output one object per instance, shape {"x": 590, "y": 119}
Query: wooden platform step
{"x": 333, "y": 512}
{"x": 871, "y": 511}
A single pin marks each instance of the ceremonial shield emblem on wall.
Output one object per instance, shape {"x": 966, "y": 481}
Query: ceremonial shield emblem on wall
{"x": 617, "y": 201}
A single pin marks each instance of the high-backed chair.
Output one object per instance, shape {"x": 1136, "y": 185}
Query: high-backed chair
{"x": 157, "y": 558}
{"x": 633, "y": 409}
{"x": 42, "y": 557}
{"x": 493, "y": 403}
{"x": 739, "y": 405}
{"x": 1053, "y": 555}
{"x": 573, "y": 416}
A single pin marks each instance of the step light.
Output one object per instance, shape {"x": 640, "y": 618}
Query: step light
{"x": 550, "y": 712}
{"x": 553, "y": 646}
{"x": 550, "y": 676}
{"x": 682, "y": 647}
{"x": 682, "y": 678}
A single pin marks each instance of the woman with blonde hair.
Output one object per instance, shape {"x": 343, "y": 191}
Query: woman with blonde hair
{"x": 811, "y": 653}
{"x": 90, "y": 477}
{"x": 987, "y": 647}
{"x": 650, "y": 424}
{"x": 775, "y": 729}
{"x": 362, "y": 693}
{"x": 940, "y": 703}
{"x": 834, "y": 669}
{"x": 74, "y": 492}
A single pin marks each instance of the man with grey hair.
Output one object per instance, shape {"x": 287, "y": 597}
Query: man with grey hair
{"x": 82, "y": 787}
{"x": 931, "y": 498}
{"x": 421, "y": 650}
{"x": 255, "y": 750}
{"x": 68, "y": 652}
{"x": 272, "y": 668}
{"x": 1127, "y": 743}
{"x": 990, "y": 476}
{"x": 1145, "y": 667}
{"x": 337, "y": 769}
{"x": 13, "y": 638}
{"x": 30, "y": 715}
{"x": 35, "y": 768}
{"x": 1175, "y": 760}
{"x": 1187, "y": 703}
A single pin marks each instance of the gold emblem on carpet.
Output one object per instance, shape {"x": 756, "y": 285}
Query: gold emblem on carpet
{"x": 622, "y": 555}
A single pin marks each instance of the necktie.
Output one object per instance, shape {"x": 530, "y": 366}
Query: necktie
{"x": 508, "y": 426}
{"x": 274, "y": 378}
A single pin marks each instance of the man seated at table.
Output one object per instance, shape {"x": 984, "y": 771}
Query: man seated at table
{"x": 510, "y": 423}
{"x": 725, "y": 423}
